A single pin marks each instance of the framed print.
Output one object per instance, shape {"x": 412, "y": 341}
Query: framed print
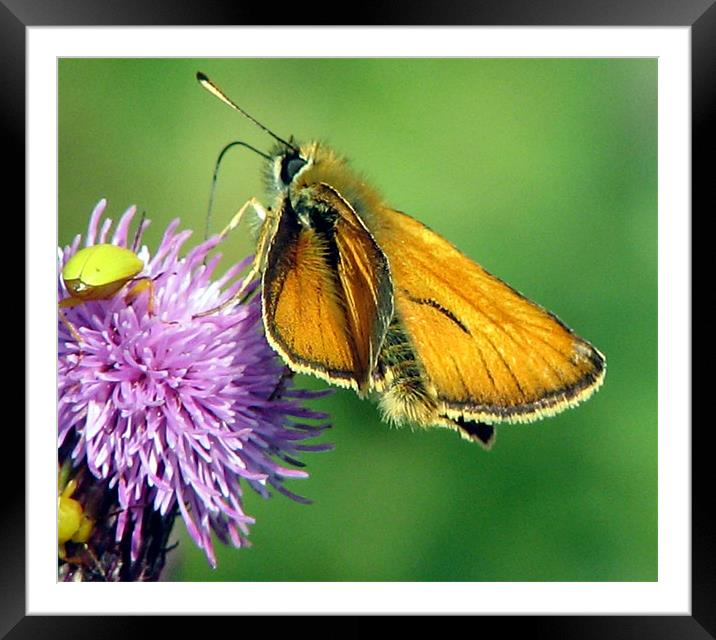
{"x": 558, "y": 158}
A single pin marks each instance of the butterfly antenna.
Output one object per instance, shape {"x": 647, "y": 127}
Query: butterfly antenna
{"x": 205, "y": 82}
{"x": 215, "y": 176}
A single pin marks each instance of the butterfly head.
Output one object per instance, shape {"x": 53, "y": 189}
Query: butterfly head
{"x": 294, "y": 170}
{"x": 287, "y": 164}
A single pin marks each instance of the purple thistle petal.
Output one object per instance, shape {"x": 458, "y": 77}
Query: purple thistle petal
{"x": 120, "y": 234}
{"x": 178, "y": 411}
{"x": 94, "y": 221}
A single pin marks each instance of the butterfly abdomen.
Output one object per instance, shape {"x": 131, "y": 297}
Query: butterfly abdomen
{"x": 406, "y": 396}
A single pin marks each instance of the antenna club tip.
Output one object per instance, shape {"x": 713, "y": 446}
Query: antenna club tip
{"x": 201, "y": 77}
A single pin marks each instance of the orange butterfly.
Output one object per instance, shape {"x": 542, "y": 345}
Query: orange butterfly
{"x": 364, "y": 296}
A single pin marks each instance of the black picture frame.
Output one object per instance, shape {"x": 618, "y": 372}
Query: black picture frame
{"x": 699, "y": 15}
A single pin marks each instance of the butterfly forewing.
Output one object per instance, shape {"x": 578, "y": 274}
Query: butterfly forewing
{"x": 488, "y": 352}
{"x": 327, "y": 293}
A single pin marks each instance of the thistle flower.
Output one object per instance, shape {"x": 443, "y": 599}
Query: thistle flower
{"x": 173, "y": 412}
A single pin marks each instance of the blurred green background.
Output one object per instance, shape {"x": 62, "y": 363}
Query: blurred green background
{"x": 542, "y": 170}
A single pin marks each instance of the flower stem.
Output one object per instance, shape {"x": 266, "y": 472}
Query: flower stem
{"x": 100, "y": 558}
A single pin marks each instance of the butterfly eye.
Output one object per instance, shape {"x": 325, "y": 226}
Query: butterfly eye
{"x": 290, "y": 167}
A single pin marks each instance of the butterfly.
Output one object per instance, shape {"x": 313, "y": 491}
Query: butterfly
{"x": 366, "y": 297}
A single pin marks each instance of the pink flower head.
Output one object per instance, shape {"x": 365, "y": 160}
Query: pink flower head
{"x": 174, "y": 410}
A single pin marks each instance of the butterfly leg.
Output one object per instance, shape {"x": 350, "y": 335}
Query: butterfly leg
{"x": 254, "y": 204}
{"x": 257, "y": 263}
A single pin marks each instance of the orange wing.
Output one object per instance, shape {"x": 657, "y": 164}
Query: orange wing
{"x": 327, "y": 293}
{"x": 486, "y": 352}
